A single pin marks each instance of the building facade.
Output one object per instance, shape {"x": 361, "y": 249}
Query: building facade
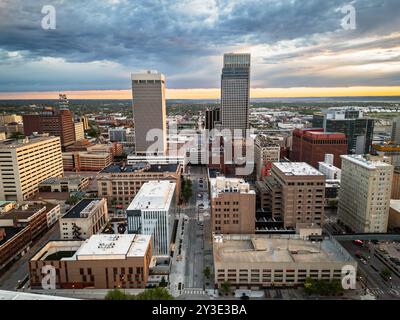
{"x": 235, "y": 91}
{"x": 100, "y": 262}
{"x": 266, "y": 151}
{"x": 365, "y": 190}
{"x": 152, "y": 212}
{"x": 233, "y": 206}
{"x": 149, "y": 111}
{"x": 25, "y": 164}
{"x": 86, "y": 218}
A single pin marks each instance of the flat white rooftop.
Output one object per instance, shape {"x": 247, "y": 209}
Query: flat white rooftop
{"x": 224, "y": 185}
{"x": 297, "y": 169}
{"x": 105, "y": 246}
{"x": 154, "y": 195}
{"x": 372, "y": 163}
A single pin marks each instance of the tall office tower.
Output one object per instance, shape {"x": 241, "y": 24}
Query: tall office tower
{"x": 235, "y": 91}
{"x": 311, "y": 145}
{"x": 233, "y": 206}
{"x": 152, "y": 212}
{"x": 294, "y": 193}
{"x": 266, "y": 151}
{"x": 358, "y": 130}
{"x": 149, "y": 111}
{"x": 365, "y": 190}
{"x": 396, "y": 131}
{"x": 59, "y": 123}
{"x": 213, "y": 117}
{"x": 25, "y": 164}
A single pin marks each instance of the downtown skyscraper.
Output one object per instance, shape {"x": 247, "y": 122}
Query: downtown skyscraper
{"x": 149, "y": 111}
{"x": 235, "y": 91}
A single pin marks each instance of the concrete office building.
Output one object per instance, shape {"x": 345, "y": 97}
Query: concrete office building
{"x": 328, "y": 169}
{"x": 266, "y": 151}
{"x": 79, "y": 131}
{"x": 86, "y": 161}
{"x": 100, "y": 262}
{"x": 233, "y": 206}
{"x": 295, "y": 193}
{"x": 118, "y": 134}
{"x": 24, "y": 164}
{"x": 235, "y": 91}
{"x": 57, "y": 123}
{"x": 396, "y": 131}
{"x": 152, "y": 212}
{"x": 311, "y": 145}
{"x": 64, "y": 184}
{"x": 258, "y": 261}
{"x": 365, "y": 190}
{"x": 119, "y": 184}
{"x": 358, "y": 129}
{"x": 149, "y": 111}
{"x": 87, "y": 217}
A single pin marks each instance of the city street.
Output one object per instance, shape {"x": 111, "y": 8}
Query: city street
{"x": 19, "y": 270}
{"x": 370, "y": 272}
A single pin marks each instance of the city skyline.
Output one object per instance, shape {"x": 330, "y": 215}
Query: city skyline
{"x": 297, "y": 50}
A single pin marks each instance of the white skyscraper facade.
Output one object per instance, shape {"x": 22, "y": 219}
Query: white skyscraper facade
{"x": 152, "y": 212}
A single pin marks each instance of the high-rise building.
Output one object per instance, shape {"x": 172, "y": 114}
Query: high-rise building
{"x": 365, "y": 191}
{"x": 57, "y": 123}
{"x": 311, "y": 145}
{"x": 26, "y": 163}
{"x": 149, "y": 112}
{"x": 79, "y": 131}
{"x": 396, "y": 131}
{"x": 358, "y": 129}
{"x": 235, "y": 91}
{"x": 294, "y": 193}
{"x": 266, "y": 151}
{"x": 233, "y": 206}
{"x": 152, "y": 212}
{"x": 212, "y": 117}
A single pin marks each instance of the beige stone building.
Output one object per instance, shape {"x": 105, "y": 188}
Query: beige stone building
{"x": 87, "y": 217}
{"x": 100, "y": 262}
{"x": 26, "y": 163}
{"x": 257, "y": 261}
{"x": 233, "y": 206}
{"x": 79, "y": 131}
{"x": 365, "y": 190}
{"x": 119, "y": 184}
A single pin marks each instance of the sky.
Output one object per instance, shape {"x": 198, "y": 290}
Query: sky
{"x": 299, "y": 48}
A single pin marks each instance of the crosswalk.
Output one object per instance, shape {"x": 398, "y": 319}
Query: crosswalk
{"x": 193, "y": 291}
{"x": 379, "y": 292}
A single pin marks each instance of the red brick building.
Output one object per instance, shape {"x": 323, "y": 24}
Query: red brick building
{"x": 57, "y": 123}
{"x": 311, "y": 145}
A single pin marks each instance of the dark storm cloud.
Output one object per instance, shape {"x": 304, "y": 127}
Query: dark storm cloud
{"x": 178, "y": 37}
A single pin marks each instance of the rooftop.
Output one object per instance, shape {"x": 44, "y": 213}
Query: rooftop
{"x": 12, "y": 144}
{"x": 153, "y": 195}
{"x": 297, "y": 169}
{"x": 276, "y": 248}
{"x": 395, "y": 205}
{"x": 82, "y": 208}
{"x": 57, "y": 180}
{"x": 139, "y": 167}
{"x": 104, "y": 246}
{"x": 222, "y": 184}
{"x": 9, "y": 232}
{"x": 368, "y": 162}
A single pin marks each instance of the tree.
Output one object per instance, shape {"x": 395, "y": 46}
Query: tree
{"x": 17, "y": 135}
{"x": 225, "y": 288}
{"x": 117, "y": 294}
{"x": 72, "y": 200}
{"x": 207, "y": 272}
{"x": 186, "y": 189}
{"x": 385, "y": 274}
{"x": 158, "y": 293}
{"x": 163, "y": 282}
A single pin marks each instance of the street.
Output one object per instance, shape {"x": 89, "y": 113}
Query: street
{"x": 19, "y": 270}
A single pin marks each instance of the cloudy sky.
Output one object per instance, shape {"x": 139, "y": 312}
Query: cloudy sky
{"x": 298, "y": 47}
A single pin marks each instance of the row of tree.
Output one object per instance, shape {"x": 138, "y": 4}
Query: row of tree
{"x": 159, "y": 293}
{"x": 323, "y": 287}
